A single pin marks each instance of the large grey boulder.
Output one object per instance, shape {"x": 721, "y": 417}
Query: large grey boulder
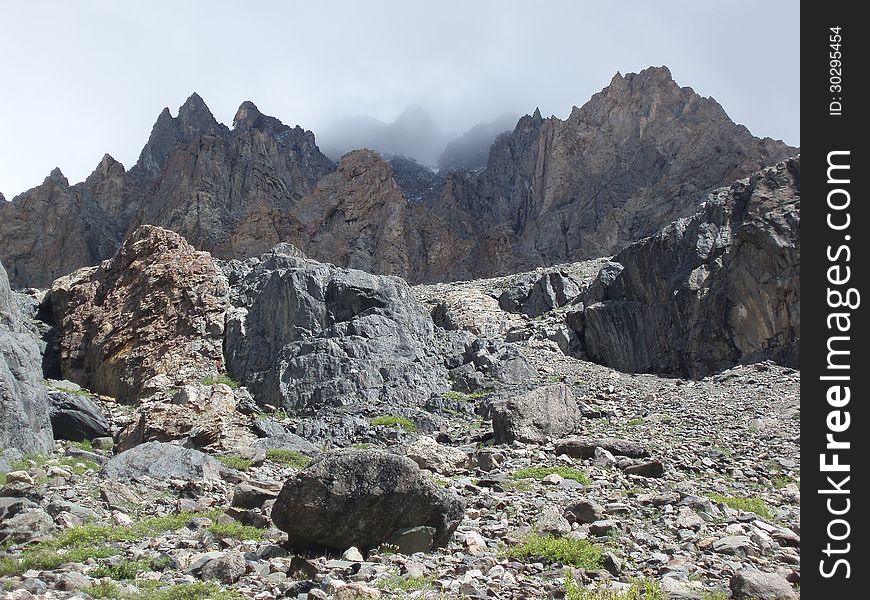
{"x": 161, "y": 460}
{"x": 76, "y": 417}
{"x": 550, "y": 411}
{"x": 24, "y": 419}
{"x": 304, "y": 335}
{"x": 361, "y": 498}
{"x": 709, "y": 291}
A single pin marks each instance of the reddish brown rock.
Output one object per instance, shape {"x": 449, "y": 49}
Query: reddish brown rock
{"x": 150, "y": 317}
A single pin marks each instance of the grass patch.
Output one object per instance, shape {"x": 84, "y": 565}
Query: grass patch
{"x": 395, "y": 422}
{"x": 541, "y": 472}
{"x": 519, "y": 485}
{"x": 403, "y": 583}
{"x": 237, "y": 531}
{"x": 234, "y": 461}
{"x": 83, "y": 445}
{"x": 290, "y": 458}
{"x": 78, "y": 544}
{"x": 640, "y": 590}
{"x": 780, "y": 481}
{"x": 148, "y": 591}
{"x": 582, "y": 554}
{"x": 635, "y": 422}
{"x": 744, "y": 503}
{"x": 223, "y": 378}
{"x": 124, "y": 570}
{"x": 463, "y": 397}
{"x": 717, "y": 595}
{"x": 361, "y": 446}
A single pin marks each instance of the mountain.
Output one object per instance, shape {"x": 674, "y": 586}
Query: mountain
{"x": 470, "y": 151}
{"x": 639, "y": 154}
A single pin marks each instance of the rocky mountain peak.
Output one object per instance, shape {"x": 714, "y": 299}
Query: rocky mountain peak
{"x": 247, "y": 115}
{"x": 57, "y": 176}
{"x": 195, "y": 118}
{"x": 108, "y": 167}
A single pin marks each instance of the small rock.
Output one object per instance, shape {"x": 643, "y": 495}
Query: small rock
{"x": 353, "y": 554}
{"x": 226, "y": 569}
{"x": 584, "y": 511}
{"x": 413, "y": 539}
{"x": 652, "y": 468}
{"x": 19, "y": 476}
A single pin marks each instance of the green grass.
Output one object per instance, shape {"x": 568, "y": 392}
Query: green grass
{"x": 744, "y": 503}
{"x": 635, "y": 422}
{"x": 640, "y": 590}
{"x": 78, "y": 544}
{"x": 715, "y": 596}
{"x": 403, "y": 583}
{"x": 582, "y": 554}
{"x": 395, "y": 422}
{"x": 780, "y": 481}
{"x": 223, "y": 378}
{"x": 516, "y": 486}
{"x": 361, "y": 446}
{"x": 83, "y": 445}
{"x": 150, "y": 591}
{"x": 541, "y": 472}
{"x": 290, "y": 458}
{"x": 463, "y": 397}
{"x": 234, "y": 461}
{"x": 124, "y": 570}
{"x": 237, "y": 531}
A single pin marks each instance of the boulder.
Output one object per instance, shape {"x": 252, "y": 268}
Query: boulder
{"x": 581, "y": 447}
{"x": 150, "y": 317}
{"x": 709, "y": 291}
{"x": 361, "y": 498}
{"x": 549, "y": 411}
{"x": 551, "y": 291}
{"x": 304, "y": 335}
{"x": 287, "y": 441}
{"x": 750, "y": 583}
{"x": 429, "y": 454}
{"x": 161, "y": 460}
{"x": 24, "y": 411}
{"x": 74, "y": 416}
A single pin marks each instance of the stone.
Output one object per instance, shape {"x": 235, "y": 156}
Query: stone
{"x": 365, "y": 336}
{"x": 287, "y": 441}
{"x": 688, "y": 519}
{"x": 24, "y": 411}
{"x": 103, "y": 443}
{"x": 227, "y": 568}
{"x": 161, "y": 460}
{"x": 26, "y": 526}
{"x": 353, "y": 591}
{"x": 749, "y": 582}
{"x": 411, "y": 540}
{"x": 74, "y": 416}
{"x": 150, "y": 317}
{"x": 736, "y": 545}
{"x": 247, "y": 496}
{"x": 72, "y": 581}
{"x": 585, "y": 447}
{"x": 429, "y": 454}
{"x": 359, "y": 498}
{"x": 20, "y": 476}
{"x": 489, "y": 460}
{"x": 552, "y": 522}
{"x": 352, "y": 554}
{"x": 546, "y": 412}
{"x": 584, "y": 511}
{"x": 649, "y": 468}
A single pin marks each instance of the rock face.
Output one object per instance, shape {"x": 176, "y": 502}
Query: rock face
{"x": 360, "y": 498}
{"x": 708, "y": 291}
{"x": 163, "y": 461}
{"x": 546, "y": 412}
{"x": 304, "y": 335}
{"x": 24, "y": 418}
{"x": 636, "y": 156}
{"x": 150, "y": 317}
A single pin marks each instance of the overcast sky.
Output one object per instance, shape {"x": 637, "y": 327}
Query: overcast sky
{"x": 79, "y": 79}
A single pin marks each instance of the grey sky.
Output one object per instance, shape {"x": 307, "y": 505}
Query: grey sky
{"x": 79, "y": 79}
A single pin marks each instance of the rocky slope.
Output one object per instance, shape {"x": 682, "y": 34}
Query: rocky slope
{"x": 278, "y": 427}
{"x": 639, "y": 154}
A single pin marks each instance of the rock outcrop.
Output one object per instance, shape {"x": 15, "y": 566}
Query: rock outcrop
{"x": 304, "y": 335}
{"x": 24, "y": 418}
{"x": 361, "y": 498}
{"x": 708, "y": 291}
{"x": 546, "y": 412}
{"x": 636, "y": 156}
{"x": 151, "y": 317}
